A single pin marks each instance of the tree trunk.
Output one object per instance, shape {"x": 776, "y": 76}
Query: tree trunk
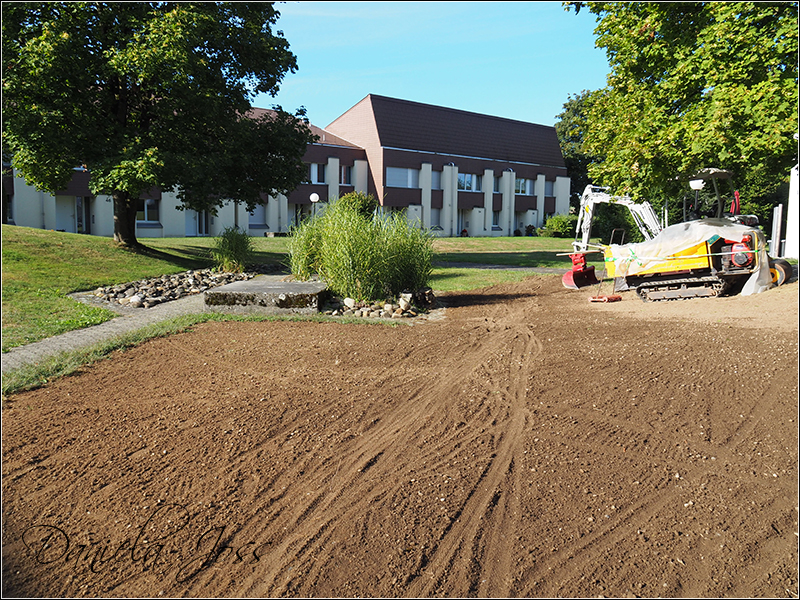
{"x": 125, "y": 219}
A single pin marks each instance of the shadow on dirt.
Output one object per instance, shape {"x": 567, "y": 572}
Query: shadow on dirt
{"x": 464, "y": 299}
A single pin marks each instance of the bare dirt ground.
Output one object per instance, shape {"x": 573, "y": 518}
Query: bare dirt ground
{"x": 529, "y": 443}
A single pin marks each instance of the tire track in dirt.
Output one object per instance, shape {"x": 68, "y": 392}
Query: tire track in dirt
{"x": 473, "y": 549}
{"x": 448, "y": 467}
{"x": 357, "y": 479}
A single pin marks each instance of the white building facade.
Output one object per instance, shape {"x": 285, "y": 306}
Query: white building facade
{"x": 453, "y": 172}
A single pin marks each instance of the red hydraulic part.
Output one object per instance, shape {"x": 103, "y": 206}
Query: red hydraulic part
{"x": 581, "y": 274}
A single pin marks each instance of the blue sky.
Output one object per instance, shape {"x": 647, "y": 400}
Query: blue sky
{"x": 518, "y": 60}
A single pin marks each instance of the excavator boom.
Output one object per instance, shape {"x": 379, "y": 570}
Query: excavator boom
{"x": 583, "y": 275}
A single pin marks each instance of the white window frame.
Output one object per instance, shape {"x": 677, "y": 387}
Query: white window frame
{"x": 522, "y": 186}
{"x": 316, "y": 173}
{"x": 345, "y": 175}
{"x": 436, "y": 180}
{"x": 469, "y": 182}
{"x": 402, "y": 178}
{"x": 148, "y": 204}
{"x": 258, "y": 216}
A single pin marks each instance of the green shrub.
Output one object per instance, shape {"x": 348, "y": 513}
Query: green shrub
{"x": 303, "y": 248}
{"x": 231, "y": 250}
{"x": 561, "y": 226}
{"x": 364, "y": 256}
{"x": 409, "y": 255}
{"x": 364, "y": 204}
{"x": 611, "y": 217}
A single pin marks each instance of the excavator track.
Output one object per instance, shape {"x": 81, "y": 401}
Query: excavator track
{"x": 682, "y": 289}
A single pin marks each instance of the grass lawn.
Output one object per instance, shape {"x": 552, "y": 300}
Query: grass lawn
{"x": 41, "y": 267}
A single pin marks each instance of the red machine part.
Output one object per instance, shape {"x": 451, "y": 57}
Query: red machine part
{"x": 581, "y": 275}
{"x": 742, "y": 252}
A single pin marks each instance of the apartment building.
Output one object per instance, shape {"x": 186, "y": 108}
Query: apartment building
{"x": 452, "y": 171}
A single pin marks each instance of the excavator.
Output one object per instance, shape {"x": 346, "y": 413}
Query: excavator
{"x": 711, "y": 253}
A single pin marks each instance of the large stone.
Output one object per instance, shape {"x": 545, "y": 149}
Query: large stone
{"x": 262, "y": 295}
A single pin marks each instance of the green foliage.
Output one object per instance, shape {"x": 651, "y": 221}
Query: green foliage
{"x": 694, "y": 85}
{"x": 364, "y": 204}
{"x": 571, "y": 130}
{"x": 147, "y": 94}
{"x": 609, "y": 219}
{"x": 365, "y": 257}
{"x": 232, "y": 250}
{"x": 561, "y": 226}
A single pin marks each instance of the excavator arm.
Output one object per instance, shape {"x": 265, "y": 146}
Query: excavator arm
{"x": 643, "y": 215}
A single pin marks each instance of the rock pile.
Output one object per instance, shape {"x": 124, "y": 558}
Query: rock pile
{"x": 147, "y": 293}
{"x": 151, "y": 292}
{"x": 408, "y": 305}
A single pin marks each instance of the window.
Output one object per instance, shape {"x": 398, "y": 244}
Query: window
{"x": 436, "y": 216}
{"x": 402, "y": 178}
{"x": 548, "y": 188}
{"x": 467, "y": 182}
{"x": 436, "y": 180}
{"x": 316, "y": 173}
{"x": 259, "y": 216}
{"x": 495, "y": 218}
{"x": 346, "y": 175}
{"x": 522, "y": 186}
{"x": 496, "y": 185}
{"x": 147, "y": 210}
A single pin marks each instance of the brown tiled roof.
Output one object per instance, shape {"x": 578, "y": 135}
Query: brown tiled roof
{"x": 423, "y": 127}
{"x": 325, "y": 137}
{"x": 329, "y": 139}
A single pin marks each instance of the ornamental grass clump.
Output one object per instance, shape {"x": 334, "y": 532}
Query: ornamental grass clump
{"x": 231, "y": 250}
{"x": 361, "y": 255}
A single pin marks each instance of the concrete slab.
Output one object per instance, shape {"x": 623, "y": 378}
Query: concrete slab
{"x": 266, "y": 294}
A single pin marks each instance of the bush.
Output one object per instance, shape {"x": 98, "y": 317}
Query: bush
{"x": 364, "y": 204}
{"x": 363, "y": 257}
{"x": 560, "y": 226}
{"x": 608, "y": 217}
{"x": 231, "y": 250}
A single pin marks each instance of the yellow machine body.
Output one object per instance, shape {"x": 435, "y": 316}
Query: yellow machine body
{"x": 693, "y": 258}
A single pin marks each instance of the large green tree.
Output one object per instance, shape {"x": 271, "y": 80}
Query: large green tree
{"x": 571, "y": 130}
{"x": 147, "y": 94}
{"x": 694, "y": 85}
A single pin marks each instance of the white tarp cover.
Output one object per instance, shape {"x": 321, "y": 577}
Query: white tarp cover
{"x": 630, "y": 259}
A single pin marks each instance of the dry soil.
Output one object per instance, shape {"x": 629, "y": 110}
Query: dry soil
{"x": 528, "y": 443}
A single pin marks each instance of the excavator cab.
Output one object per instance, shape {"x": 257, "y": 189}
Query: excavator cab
{"x": 704, "y": 205}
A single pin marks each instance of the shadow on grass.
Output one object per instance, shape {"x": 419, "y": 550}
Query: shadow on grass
{"x": 197, "y": 256}
{"x": 185, "y": 257}
{"x": 516, "y": 259}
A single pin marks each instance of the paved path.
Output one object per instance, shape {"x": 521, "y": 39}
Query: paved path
{"x": 131, "y": 320}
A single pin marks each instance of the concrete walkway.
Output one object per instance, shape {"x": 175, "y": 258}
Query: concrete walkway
{"x": 131, "y": 320}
